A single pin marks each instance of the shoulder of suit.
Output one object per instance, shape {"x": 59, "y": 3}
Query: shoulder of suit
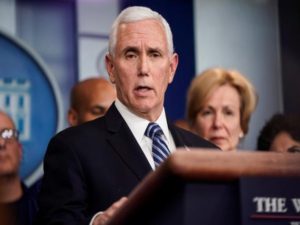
{"x": 194, "y": 140}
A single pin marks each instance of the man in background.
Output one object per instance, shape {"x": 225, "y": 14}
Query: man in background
{"x": 18, "y": 200}
{"x": 90, "y": 99}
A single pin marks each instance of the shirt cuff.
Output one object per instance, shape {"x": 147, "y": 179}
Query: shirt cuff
{"x": 94, "y": 217}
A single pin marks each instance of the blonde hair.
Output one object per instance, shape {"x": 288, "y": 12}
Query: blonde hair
{"x": 203, "y": 84}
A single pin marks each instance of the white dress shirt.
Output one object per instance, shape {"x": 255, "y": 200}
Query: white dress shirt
{"x": 138, "y": 126}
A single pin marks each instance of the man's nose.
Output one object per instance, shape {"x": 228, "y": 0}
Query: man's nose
{"x": 143, "y": 65}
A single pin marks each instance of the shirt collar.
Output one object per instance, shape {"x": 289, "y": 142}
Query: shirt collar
{"x": 138, "y": 125}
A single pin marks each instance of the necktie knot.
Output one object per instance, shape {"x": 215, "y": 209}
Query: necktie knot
{"x": 160, "y": 150}
{"x": 153, "y": 130}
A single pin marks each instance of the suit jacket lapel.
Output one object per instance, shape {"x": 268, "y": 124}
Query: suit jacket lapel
{"x": 125, "y": 145}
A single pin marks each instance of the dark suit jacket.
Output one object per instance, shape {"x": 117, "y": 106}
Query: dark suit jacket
{"x": 90, "y": 166}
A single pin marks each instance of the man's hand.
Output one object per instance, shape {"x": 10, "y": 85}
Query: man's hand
{"x": 103, "y": 217}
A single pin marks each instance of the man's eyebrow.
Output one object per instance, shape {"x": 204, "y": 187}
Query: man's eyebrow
{"x": 154, "y": 50}
{"x": 130, "y": 49}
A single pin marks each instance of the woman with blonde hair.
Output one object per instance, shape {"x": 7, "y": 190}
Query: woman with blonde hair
{"x": 219, "y": 106}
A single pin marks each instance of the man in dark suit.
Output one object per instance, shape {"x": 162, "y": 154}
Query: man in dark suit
{"x": 89, "y": 167}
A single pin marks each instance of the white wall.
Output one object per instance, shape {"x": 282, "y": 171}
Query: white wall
{"x": 243, "y": 35}
{"x": 94, "y": 21}
{"x": 8, "y": 16}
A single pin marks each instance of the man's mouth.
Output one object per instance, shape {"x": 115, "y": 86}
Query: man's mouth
{"x": 143, "y": 88}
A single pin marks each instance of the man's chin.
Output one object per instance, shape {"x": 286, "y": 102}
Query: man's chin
{"x": 146, "y": 111}
{"x": 143, "y": 106}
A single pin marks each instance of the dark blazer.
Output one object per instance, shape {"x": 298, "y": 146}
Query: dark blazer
{"x": 90, "y": 166}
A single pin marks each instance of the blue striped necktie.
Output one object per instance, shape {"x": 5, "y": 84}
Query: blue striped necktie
{"x": 160, "y": 150}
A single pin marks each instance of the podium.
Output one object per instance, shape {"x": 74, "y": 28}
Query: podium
{"x": 205, "y": 187}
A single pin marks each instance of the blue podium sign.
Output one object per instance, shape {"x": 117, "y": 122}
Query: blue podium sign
{"x": 270, "y": 201}
{"x": 30, "y": 95}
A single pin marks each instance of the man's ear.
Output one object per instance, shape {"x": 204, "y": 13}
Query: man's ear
{"x": 110, "y": 67}
{"x": 173, "y": 66}
{"x": 72, "y": 117}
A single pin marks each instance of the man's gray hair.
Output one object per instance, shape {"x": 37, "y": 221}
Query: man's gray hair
{"x": 134, "y": 14}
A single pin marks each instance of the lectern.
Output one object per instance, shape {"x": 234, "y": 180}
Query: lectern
{"x": 204, "y": 187}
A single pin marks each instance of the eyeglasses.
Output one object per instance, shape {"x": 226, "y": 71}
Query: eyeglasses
{"x": 9, "y": 134}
